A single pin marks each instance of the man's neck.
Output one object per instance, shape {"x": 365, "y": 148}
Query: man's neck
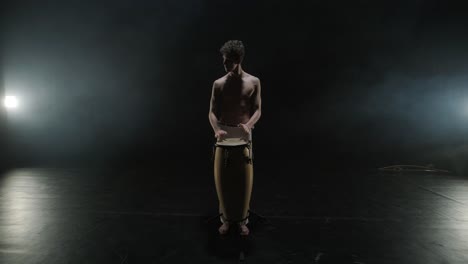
{"x": 237, "y": 72}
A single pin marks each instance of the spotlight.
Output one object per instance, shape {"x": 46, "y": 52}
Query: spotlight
{"x": 10, "y": 102}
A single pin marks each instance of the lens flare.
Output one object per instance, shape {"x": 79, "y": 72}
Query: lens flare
{"x": 10, "y": 102}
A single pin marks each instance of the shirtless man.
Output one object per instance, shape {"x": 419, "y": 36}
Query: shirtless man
{"x": 235, "y": 100}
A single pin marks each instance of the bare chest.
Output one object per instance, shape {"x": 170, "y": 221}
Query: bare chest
{"x": 237, "y": 93}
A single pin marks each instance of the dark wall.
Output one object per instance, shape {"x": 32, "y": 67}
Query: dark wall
{"x": 3, "y": 155}
{"x": 363, "y": 84}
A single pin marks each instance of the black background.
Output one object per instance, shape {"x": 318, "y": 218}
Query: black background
{"x": 344, "y": 83}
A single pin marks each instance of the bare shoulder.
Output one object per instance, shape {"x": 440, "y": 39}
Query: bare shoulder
{"x": 219, "y": 82}
{"x": 252, "y": 78}
{"x": 255, "y": 80}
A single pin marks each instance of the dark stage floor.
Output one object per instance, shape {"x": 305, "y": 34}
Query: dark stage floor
{"x": 157, "y": 215}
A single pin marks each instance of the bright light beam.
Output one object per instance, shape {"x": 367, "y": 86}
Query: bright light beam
{"x": 10, "y": 102}
{"x": 466, "y": 109}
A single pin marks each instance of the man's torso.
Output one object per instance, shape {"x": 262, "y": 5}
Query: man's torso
{"x": 235, "y": 98}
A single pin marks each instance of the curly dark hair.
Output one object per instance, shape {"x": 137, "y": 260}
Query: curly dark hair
{"x": 233, "y": 49}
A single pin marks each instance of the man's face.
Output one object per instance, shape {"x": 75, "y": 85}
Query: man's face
{"x": 230, "y": 64}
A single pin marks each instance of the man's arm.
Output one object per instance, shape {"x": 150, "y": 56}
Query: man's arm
{"x": 256, "y": 105}
{"x": 214, "y": 108}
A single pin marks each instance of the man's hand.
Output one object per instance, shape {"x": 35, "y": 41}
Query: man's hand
{"x": 246, "y": 128}
{"x": 220, "y": 134}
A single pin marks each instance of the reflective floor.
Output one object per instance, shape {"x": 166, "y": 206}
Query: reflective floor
{"x": 161, "y": 214}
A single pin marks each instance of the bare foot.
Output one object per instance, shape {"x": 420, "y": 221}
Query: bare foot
{"x": 244, "y": 230}
{"x": 223, "y": 229}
